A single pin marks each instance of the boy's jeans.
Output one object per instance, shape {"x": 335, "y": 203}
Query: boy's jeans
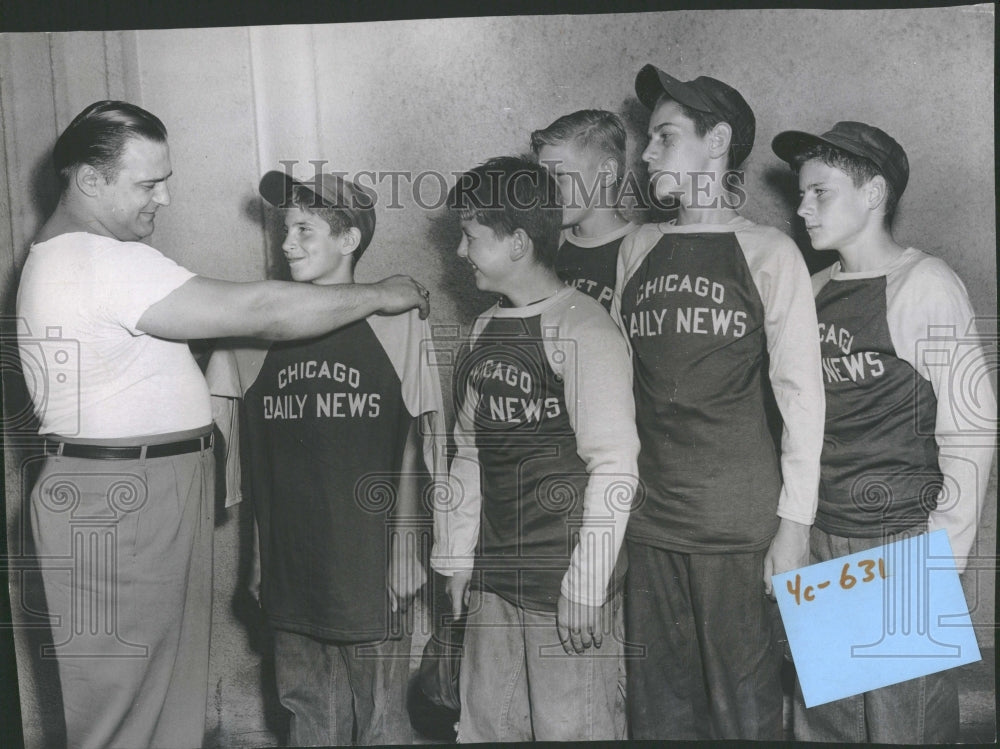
{"x": 334, "y": 688}
{"x": 518, "y": 684}
{"x": 918, "y": 711}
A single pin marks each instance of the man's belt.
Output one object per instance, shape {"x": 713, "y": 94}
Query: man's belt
{"x": 128, "y": 452}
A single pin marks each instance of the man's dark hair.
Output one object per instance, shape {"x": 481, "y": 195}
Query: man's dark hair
{"x": 858, "y": 168}
{"x": 98, "y": 136}
{"x": 509, "y": 193}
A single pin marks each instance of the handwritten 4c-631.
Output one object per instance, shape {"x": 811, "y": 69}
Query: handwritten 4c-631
{"x": 867, "y": 567}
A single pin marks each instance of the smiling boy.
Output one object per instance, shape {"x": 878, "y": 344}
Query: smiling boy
{"x": 542, "y": 480}
{"x": 713, "y": 306}
{"x": 328, "y": 424}
{"x": 585, "y": 152}
{"x": 895, "y": 419}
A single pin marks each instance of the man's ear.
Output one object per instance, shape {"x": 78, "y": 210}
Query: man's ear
{"x": 520, "y": 244}
{"x": 350, "y": 240}
{"x": 719, "y": 138}
{"x": 88, "y": 180}
{"x": 876, "y": 192}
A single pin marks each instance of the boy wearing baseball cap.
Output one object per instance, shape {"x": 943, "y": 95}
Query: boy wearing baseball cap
{"x": 331, "y": 430}
{"x": 897, "y": 419}
{"x": 585, "y": 152}
{"x": 716, "y": 309}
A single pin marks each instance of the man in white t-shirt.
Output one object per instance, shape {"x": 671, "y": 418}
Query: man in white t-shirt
{"x": 121, "y": 513}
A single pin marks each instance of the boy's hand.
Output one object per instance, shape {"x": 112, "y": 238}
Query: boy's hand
{"x": 458, "y": 591}
{"x": 402, "y": 293}
{"x": 789, "y": 551}
{"x": 581, "y": 626}
{"x": 406, "y": 576}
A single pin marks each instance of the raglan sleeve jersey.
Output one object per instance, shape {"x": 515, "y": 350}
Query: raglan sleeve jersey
{"x": 710, "y": 311}
{"x": 910, "y": 417}
{"x": 544, "y": 474}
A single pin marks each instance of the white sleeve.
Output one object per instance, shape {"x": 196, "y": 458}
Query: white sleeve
{"x": 232, "y": 369}
{"x": 794, "y": 369}
{"x": 457, "y": 513}
{"x": 591, "y": 356}
{"x": 224, "y": 385}
{"x": 932, "y": 326}
{"x": 408, "y": 343}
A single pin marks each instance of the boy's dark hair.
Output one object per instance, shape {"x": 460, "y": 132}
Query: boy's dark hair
{"x": 98, "y": 136}
{"x": 587, "y": 128}
{"x": 340, "y": 218}
{"x": 703, "y": 122}
{"x": 858, "y": 168}
{"x": 507, "y": 193}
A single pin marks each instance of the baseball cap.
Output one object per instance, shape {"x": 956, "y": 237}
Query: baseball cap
{"x": 703, "y": 94}
{"x": 333, "y": 191}
{"x": 856, "y": 138}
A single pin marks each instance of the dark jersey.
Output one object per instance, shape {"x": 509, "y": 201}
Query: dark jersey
{"x": 710, "y": 313}
{"x": 590, "y": 264}
{"x": 324, "y": 424}
{"x": 313, "y": 419}
{"x": 890, "y": 339}
{"x": 546, "y": 453}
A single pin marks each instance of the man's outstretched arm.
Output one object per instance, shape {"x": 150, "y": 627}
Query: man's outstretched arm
{"x": 275, "y": 310}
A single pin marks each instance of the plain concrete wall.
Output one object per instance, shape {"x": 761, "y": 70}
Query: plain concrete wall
{"x": 441, "y": 96}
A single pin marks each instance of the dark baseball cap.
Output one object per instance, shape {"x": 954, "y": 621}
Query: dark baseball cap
{"x": 333, "y": 191}
{"x": 703, "y": 94}
{"x": 856, "y": 138}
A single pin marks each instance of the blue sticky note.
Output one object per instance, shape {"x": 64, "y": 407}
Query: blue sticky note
{"x": 878, "y": 617}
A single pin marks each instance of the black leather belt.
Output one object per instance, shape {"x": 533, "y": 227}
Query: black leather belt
{"x": 128, "y": 452}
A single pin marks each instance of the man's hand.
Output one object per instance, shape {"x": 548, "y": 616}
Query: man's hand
{"x": 406, "y": 576}
{"x": 458, "y": 591}
{"x": 789, "y": 551}
{"x": 401, "y": 293}
{"x": 581, "y": 626}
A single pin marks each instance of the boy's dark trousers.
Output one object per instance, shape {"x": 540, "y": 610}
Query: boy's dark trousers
{"x": 711, "y": 667}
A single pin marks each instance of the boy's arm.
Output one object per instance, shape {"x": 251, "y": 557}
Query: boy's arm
{"x": 456, "y": 520}
{"x": 457, "y": 512}
{"x": 597, "y": 374}
{"x": 406, "y": 573}
{"x": 795, "y": 372}
{"x": 933, "y": 327}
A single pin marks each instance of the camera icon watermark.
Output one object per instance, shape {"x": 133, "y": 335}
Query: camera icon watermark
{"x": 510, "y": 381}
{"x": 965, "y": 364}
{"x": 84, "y": 527}
{"x": 49, "y": 364}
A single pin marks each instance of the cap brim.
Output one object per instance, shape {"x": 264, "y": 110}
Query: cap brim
{"x": 276, "y": 188}
{"x": 651, "y": 83}
{"x": 790, "y": 143}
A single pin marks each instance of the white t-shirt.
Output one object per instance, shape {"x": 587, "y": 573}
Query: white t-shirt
{"x": 90, "y": 372}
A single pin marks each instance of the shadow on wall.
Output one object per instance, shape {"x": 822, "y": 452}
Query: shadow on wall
{"x": 23, "y": 449}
